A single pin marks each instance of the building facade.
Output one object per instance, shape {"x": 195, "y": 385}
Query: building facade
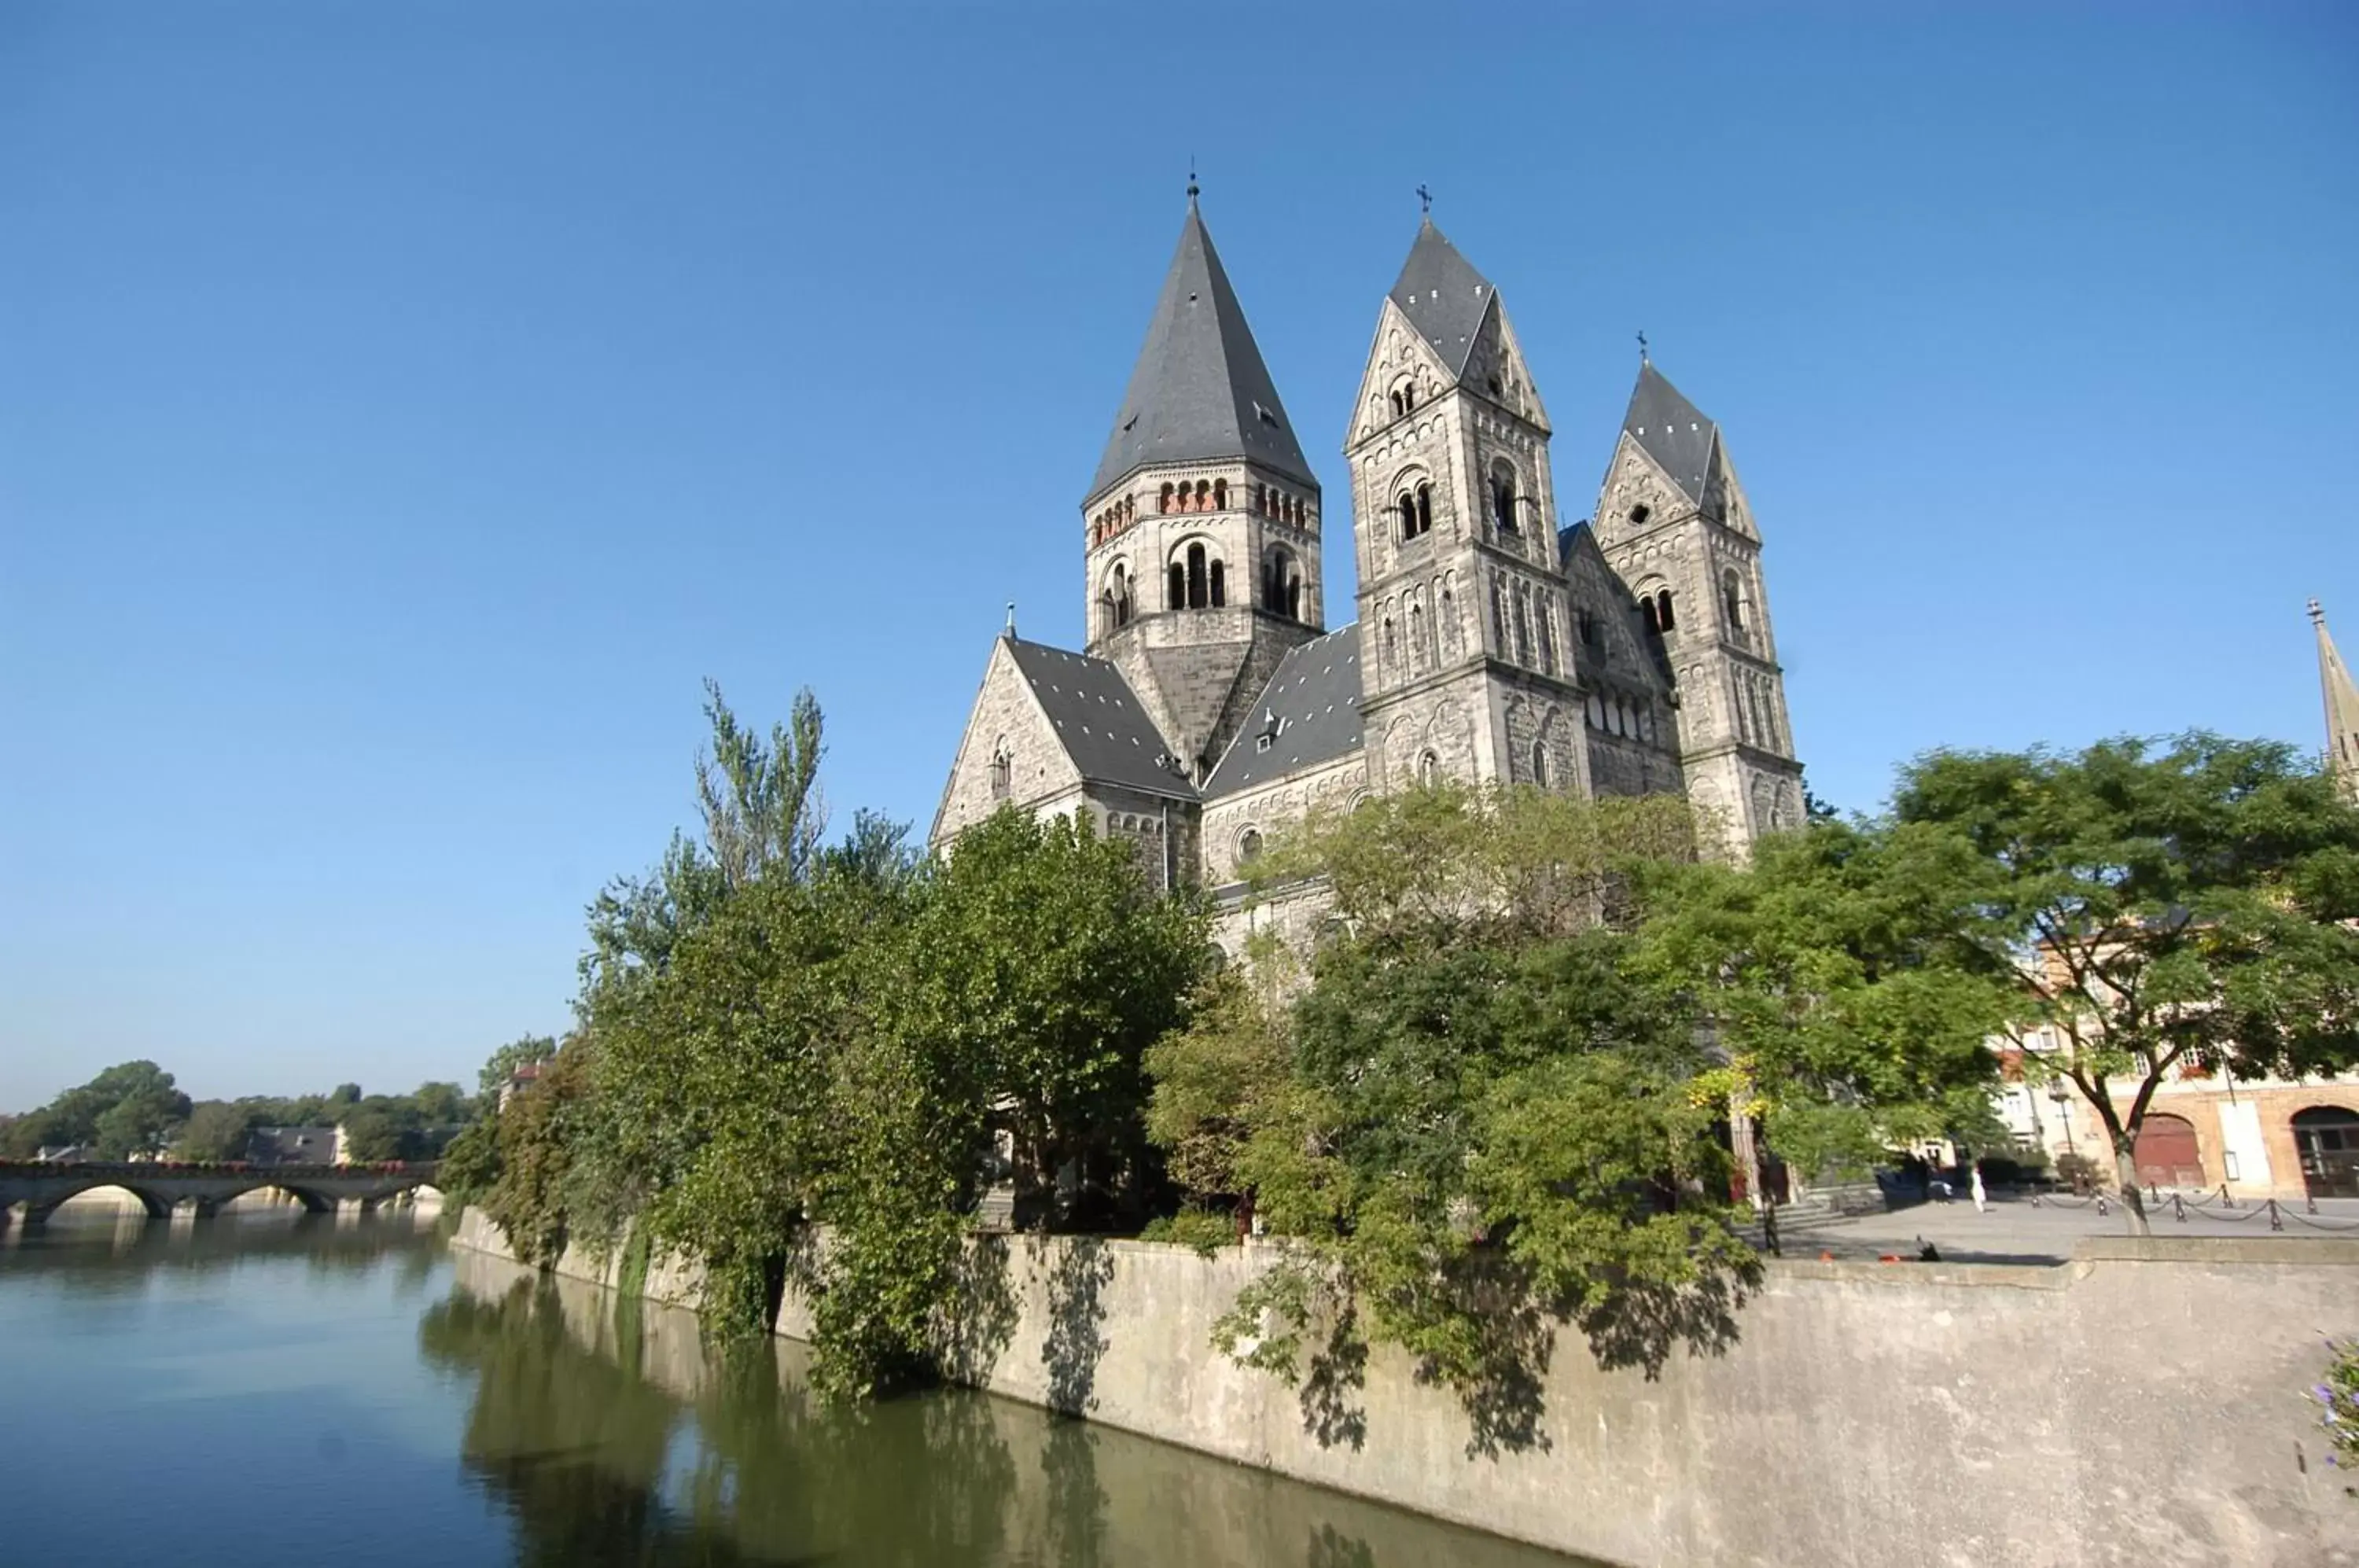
{"x": 1213, "y": 705}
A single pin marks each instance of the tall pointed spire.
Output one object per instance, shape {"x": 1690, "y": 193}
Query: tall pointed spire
{"x": 1673, "y": 432}
{"x": 2342, "y": 708}
{"x": 1200, "y": 390}
{"x": 1442, "y": 295}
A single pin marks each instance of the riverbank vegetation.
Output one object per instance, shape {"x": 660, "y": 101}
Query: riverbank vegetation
{"x": 137, "y": 1111}
{"x": 1536, "y": 1059}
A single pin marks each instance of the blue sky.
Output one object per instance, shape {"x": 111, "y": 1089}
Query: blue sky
{"x": 403, "y": 408}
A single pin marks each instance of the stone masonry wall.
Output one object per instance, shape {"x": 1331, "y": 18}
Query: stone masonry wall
{"x": 2140, "y": 1408}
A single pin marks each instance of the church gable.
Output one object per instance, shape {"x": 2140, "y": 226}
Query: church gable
{"x": 1495, "y": 369}
{"x": 1638, "y": 493}
{"x": 1608, "y": 641}
{"x": 1010, "y": 752}
{"x": 1404, "y": 373}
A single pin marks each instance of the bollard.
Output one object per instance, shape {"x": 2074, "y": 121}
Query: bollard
{"x": 2277, "y": 1221}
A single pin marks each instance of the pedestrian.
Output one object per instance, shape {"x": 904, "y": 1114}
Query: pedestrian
{"x": 1982, "y": 1198}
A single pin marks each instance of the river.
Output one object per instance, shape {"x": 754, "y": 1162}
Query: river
{"x": 268, "y": 1389}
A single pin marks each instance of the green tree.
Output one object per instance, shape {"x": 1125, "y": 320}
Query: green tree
{"x": 1473, "y": 1120}
{"x": 439, "y": 1105}
{"x": 1043, "y": 960}
{"x": 129, "y": 1108}
{"x": 760, "y": 801}
{"x": 1837, "y": 974}
{"x": 2154, "y": 903}
{"x": 215, "y": 1131}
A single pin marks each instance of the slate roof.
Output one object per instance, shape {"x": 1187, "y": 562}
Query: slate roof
{"x": 1200, "y": 389}
{"x": 1310, "y": 712}
{"x": 1673, "y": 432}
{"x": 292, "y": 1146}
{"x": 1099, "y": 721}
{"x": 1443, "y": 295}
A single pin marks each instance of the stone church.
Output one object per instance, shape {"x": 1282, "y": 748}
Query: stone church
{"x": 1212, "y": 704}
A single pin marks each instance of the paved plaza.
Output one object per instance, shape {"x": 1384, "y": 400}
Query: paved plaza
{"x": 2021, "y": 1230}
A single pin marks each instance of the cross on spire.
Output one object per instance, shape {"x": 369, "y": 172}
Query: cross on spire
{"x": 1642, "y": 345}
{"x": 1011, "y": 617}
{"x": 1425, "y": 200}
{"x": 1192, "y": 179}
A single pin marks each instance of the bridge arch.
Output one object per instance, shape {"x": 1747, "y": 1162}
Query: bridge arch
{"x": 155, "y": 1207}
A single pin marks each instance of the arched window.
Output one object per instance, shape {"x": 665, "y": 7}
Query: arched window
{"x": 1499, "y": 618}
{"x": 1249, "y": 846}
{"x": 1407, "y": 516}
{"x": 1294, "y": 595}
{"x": 1176, "y": 598}
{"x": 1523, "y": 625}
{"x": 1220, "y": 596}
{"x": 1220, "y": 495}
{"x": 1502, "y": 497}
{"x": 1429, "y": 769}
{"x": 1540, "y": 764}
{"x": 1651, "y": 613}
{"x": 1400, "y": 404}
{"x": 1198, "y": 587}
{"x": 1663, "y": 617}
{"x": 1424, "y": 507}
{"x": 1587, "y": 623}
{"x": 1391, "y": 650}
{"x": 1417, "y": 658}
{"x": 1003, "y": 768}
{"x": 1119, "y": 593}
{"x": 1203, "y": 494}
{"x": 1165, "y": 504}
{"x": 1261, "y": 500}
{"x": 1547, "y": 640}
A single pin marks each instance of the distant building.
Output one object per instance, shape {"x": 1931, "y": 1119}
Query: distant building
{"x": 296, "y": 1146}
{"x": 519, "y": 1079}
{"x": 62, "y": 1154}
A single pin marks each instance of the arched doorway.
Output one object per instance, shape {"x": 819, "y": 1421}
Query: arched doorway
{"x": 2167, "y": 1153}
{"x": 2327, "y": 1138}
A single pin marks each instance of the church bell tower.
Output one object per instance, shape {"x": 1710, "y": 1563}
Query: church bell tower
{"x": 1201, "y": 526}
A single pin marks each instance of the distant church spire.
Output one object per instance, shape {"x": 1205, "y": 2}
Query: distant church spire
{"x": 2342, "y": 708}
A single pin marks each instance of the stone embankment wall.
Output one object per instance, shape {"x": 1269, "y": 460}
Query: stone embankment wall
{"x": 2142, "y": 1406}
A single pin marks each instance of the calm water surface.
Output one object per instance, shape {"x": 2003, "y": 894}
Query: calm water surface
{"x": 251, "y": 1390}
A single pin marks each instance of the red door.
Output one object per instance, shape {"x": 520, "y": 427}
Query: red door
{"x": 2167, "y": 1155}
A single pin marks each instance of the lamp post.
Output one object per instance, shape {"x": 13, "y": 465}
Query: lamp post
{"x": 2057, "y": 1093}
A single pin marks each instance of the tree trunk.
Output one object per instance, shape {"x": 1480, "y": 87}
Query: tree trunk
{"x": 2126, "y": 1173}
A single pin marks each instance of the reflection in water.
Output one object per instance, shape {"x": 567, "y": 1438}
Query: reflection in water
{"x": 704, "y": 1457}
{"x": 201, "y": 1393}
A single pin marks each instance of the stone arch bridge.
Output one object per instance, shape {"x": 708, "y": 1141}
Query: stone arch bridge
{"x": 163, "y": 1189}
